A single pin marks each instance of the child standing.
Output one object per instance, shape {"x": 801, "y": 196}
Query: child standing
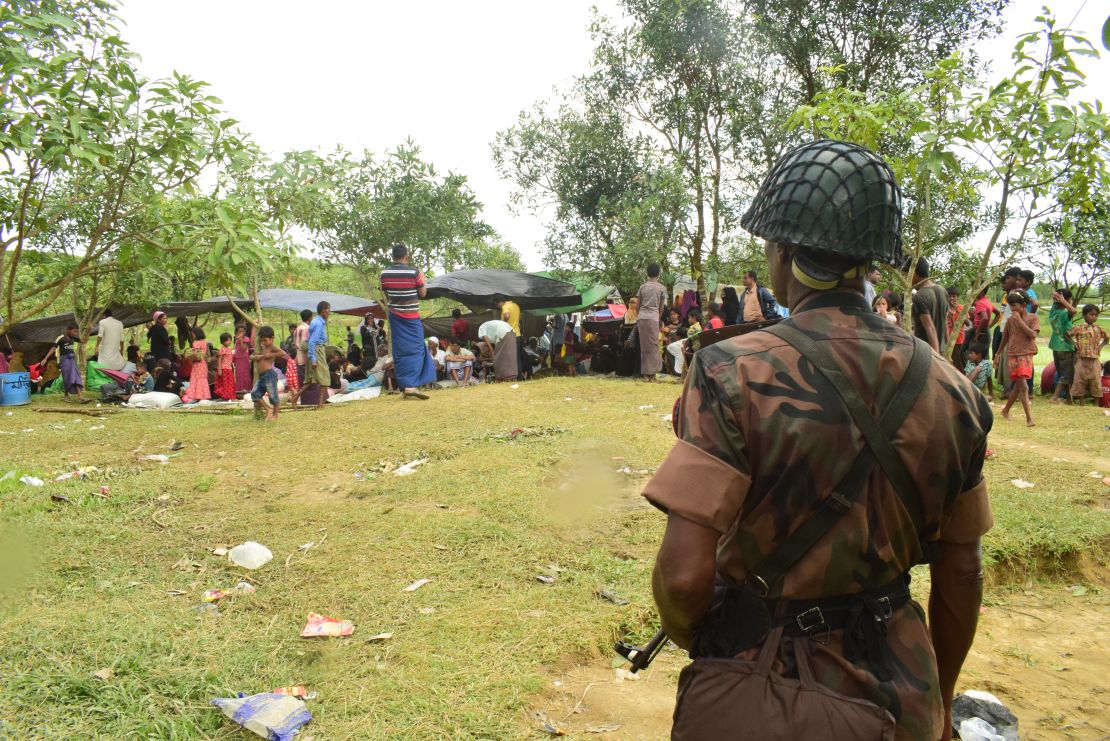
{"x": 225, "y": 372}
{"x": 67, "y": 362}
{"x": 242, "y": 359}
{"x": 267, "y": 383}
{"x": 1063, "y": 350}
{"x": 1089, "y": 339}
{"x": 978, "y": 369}
{"x": 198, "y": 375}
{"x": 1019, "y": 340}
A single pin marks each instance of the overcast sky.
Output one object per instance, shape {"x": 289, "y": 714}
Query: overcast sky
{"x": 448, "y": 74}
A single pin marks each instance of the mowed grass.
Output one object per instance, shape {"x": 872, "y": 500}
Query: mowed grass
{"x": 86, "y": 583}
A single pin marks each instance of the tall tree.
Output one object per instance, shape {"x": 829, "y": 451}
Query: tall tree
{"x": 615, "y": 208}
{"x": 101, "y": 168}
{"x": 400, "y": 198}
{"x": 1023, "y": 139}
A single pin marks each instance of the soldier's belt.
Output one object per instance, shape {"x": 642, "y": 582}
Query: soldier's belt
{"x": 739, "y": 619}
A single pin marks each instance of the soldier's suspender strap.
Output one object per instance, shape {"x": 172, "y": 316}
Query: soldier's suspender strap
{"x": 766, "y": 578}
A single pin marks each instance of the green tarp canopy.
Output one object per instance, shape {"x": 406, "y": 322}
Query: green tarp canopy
{"x": 592, "y": 293}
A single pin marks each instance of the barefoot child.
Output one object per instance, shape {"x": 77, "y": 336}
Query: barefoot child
{"x": 267, "y": 384}
{"x": 978, "y": 369}
{"x": 1019, "y": 340}
{"x": 225, "y": 369}
{"x": 1089, "y": 339}
{"x": 1063, "y": 349}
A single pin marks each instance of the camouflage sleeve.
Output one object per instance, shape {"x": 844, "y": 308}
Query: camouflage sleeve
{"x": 706, "y": 476}
{"x": 969, "y": 517}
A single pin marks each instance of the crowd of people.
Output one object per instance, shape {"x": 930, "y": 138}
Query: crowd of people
{"x": 994, "y": 346}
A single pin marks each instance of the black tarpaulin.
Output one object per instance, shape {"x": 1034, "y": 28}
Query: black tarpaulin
{"x": 485, "y": 287}
{"x": 34, "y": 337}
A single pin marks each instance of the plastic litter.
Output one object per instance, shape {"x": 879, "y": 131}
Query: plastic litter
{"x": 543, "y": 578}
{"x": 215, "y": 595}
{"x": 158, "y": 458}
{"x": 995, "y": 721}
{"x": 410, "y": 467}
{"x": 244, "y": 587}
{"x": 31, "y": 481}
{"x": 977, "y": 729}
{"x": 250, "y": 555}
{"x": 60, "y": 498}
{"x": 644, "y": 407}
{"x": 612, "y": 596}
{"x": 221, "y": 551}
{"x": 296, "y": 690}
{"x": 380, "y": 637}
{"x": 1023, "y": 484}
{"x": 515, "y": 386}
{"x": 319, "y": 626}
{"x": 10, "y": 474}
{"x": 270, "y": 715}
{"x": 416, "y": 585}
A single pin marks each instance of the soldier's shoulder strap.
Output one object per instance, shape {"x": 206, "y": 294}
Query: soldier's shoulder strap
{"x": 878, "y": 434}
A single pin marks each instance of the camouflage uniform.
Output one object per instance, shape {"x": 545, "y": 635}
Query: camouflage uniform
{"x": 762, "y": 436}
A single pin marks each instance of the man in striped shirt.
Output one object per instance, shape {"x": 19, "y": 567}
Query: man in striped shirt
{"x": 403, "y": 287}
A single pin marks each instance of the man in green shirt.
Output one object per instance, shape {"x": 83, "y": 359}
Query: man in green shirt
{"x": 1063, "y": 351}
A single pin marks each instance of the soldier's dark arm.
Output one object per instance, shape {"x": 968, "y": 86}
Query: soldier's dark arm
{"x": 954, "y": 600}
{"x": 683, "y": 578}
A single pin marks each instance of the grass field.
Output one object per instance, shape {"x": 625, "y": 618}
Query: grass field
{"x": 88, "y": 583}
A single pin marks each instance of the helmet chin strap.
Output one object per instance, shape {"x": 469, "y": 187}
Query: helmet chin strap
{"x": 822, "y": 285}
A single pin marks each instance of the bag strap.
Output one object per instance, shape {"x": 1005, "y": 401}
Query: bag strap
{"x": 766, "y": 578}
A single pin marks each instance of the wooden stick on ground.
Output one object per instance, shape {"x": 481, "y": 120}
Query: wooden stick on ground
{"x": 85, "y": 412}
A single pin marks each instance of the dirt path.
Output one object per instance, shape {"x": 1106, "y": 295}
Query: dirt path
{"x": 1046, "y": 654}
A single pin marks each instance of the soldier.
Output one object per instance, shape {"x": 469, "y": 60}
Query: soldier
{"x": 794, "y": 515}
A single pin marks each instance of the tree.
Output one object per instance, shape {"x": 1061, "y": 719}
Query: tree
{"x": 674, "y": 70}
{"x": 1074, "y": 248}
{"x": 871, "y": 46}
{"x": 400, "y": 198}
{"x": 615, "y": 208}
{"x": 1023, "y": 139}
{"x": 103, "y": 167}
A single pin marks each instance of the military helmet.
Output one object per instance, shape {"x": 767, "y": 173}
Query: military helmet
{"x": 831, "y": 197}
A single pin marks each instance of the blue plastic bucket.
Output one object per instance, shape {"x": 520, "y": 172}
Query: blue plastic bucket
{"x": 15, "y": 389}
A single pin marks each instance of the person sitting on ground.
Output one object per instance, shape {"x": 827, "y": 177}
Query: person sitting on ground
{"x": 459, "y": 363}
{"x": 1089, "y": 339}
{"x": 531, "y": 352}
{"x": 265, "y": 393}
{"x": 134, "y": 359}
{"x": 714, "y": 313}
{"x": 165, "y": 378}
{"x": 693, "y": 323}
{"x": 354, "y": 354}
{"x": 978, "y": 369}
{"x": 1019, "y": 340}
{"x": 67, "y": 361}
{"x": 438, "y": 356}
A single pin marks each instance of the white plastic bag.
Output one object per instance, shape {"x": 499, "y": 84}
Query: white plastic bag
{"x": 250, "y": 555}
{"x": 977, "y": 729}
